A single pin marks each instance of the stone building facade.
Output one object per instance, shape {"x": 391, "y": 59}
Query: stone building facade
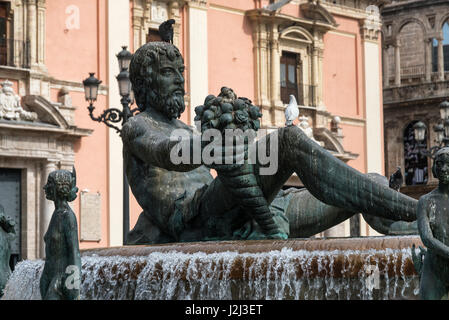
{"x": 415, "y": 81}
{"x": 332, "y": 47}
{"x": 48, "y": 47}
{"x": 42, "y": 86}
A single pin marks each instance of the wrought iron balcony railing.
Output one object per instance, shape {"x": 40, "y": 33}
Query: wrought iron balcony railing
{"x": 305, "y": 94}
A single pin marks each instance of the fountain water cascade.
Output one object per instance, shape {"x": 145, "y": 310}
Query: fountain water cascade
{"x": 331, "y": 269}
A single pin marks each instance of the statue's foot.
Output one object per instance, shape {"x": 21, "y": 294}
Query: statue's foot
{"x": 278, "y": 235}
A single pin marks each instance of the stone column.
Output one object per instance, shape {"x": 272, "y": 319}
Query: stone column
{"x": 137, "y": 26}
{"x": 40, "y": 43}
{"x": 428, "y": 45}
{"x": 397, "y": 63}
{"x": 373, "y": 107}
{"x": 263, "y": 67}
{"x": 118, "y": 35}
{"x": 275, "y": 66}
{"x": 315, "y": 76}
{"x": 174, "y": 13}
{"x": 386, "y": 75}
{"x": 440, "y": 59}
{"x": 197, "y": 53}
{"x": 47, "y": 206}
{"x": 19, "y": 32}
{"x": 32, "y": 30}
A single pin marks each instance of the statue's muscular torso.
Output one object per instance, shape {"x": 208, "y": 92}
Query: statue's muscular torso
{"x": 154, "y": 182}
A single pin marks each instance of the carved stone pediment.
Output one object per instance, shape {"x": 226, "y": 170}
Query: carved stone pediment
{"x": 332, "y": 144}
{"x": 49, "y": 121}
{"x": 296, "y": 33}
{"x": 45, "y": 110}
{"x": 313, "y": 10}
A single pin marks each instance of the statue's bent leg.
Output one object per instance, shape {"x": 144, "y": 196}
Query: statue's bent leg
{"x": 430, "y": 287}
{"x": 308, "y": 216}
{"x": 330, "y": 180}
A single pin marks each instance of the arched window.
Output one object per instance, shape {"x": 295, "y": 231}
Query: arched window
{"x": 411, "y": 51}
{"x": 434, "y": 55}
{"x": 416, "y": 171}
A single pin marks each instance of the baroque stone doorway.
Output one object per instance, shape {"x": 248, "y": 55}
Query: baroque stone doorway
{"x": 10, "y": 200}
{"x": 35, "y": 146}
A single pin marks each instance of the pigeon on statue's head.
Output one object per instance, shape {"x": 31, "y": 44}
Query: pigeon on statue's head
{"x": 166, "y": 30}
{"x": 292, "y": 111}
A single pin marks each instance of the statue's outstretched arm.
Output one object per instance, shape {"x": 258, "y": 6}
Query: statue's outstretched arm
{"x": 426, "y": 232}
{"x": 155, "y": 148}
{"x": 335, "y": 183}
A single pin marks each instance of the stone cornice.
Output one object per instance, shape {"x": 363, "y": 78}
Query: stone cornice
{"x": 370, "y": 29}
{"x": 197, "y": 3}
{"x": 346, "y": 11}
{"x": 266, "y": 16}
{"x": 393, "y": 9}
{"x": 42, "y": 127}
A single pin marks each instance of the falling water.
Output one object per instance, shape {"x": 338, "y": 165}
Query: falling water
{"x": 276, "y": 274}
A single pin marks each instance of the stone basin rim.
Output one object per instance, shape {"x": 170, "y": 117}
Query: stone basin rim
{"x": 259, "y": 246}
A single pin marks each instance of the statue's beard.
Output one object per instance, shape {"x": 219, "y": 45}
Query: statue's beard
{"x": 172, "y": 105}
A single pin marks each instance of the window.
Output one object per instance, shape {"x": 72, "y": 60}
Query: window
{"x": 416, "y": 171}
{"x": 434, "y": 55}
{"x": 153, "y": 35}
{"x": 4, "y": 32}
{"x": 289, "y": 76}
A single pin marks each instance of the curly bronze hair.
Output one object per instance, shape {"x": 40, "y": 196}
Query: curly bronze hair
{"x": 65, "y": 184}
{"x": 144, "y": 67}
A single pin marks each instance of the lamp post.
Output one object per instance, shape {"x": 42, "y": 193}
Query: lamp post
{"x": 112, "y": 116}
{"x": 441, "y": 130}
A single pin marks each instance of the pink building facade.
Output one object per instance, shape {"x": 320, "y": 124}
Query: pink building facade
{"x": 327, "y": 54}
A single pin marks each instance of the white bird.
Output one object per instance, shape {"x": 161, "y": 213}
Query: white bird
{"x": 292, "y": 111}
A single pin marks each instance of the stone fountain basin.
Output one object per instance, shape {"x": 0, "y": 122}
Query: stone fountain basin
{"x": 356, "y": 248}
{"x": 332, "y": 268}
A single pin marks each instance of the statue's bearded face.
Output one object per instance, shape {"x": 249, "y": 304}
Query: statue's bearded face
{"x": 168, "y": 87}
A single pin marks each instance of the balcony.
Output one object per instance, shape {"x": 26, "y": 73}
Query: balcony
{"x": 305, "y": 94}
{"x": 415, "y": 85}
{"x": 15, "y": 53}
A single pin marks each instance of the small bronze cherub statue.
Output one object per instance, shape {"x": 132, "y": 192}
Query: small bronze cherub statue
{"x": 7, "y": 234}
{"x": 433, "y": 226}
{"x": 60, "y": 279}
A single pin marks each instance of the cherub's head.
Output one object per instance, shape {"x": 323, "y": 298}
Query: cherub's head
{"x": 7, "y": 88}
{"x": 440, "y": 167}
{"x": 156, "y": 74}
{"x": 61, "y": 184}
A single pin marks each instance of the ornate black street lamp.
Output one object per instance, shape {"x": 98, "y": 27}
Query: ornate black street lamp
{"x": 113, "y": 115}
{"x": 441, "y": 130}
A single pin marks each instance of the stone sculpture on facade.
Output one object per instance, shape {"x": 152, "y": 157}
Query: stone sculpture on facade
{"x": 60, "y": 278}
{"x": 183, "y": 202}
{"x": 10, "y": 108}
{"x": 7, "y": 234}
{"x": 307, "y": 129}
{"x": 433, "y": 226}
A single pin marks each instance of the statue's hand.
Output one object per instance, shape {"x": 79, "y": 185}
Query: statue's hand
{"x": 226, "y": 158}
